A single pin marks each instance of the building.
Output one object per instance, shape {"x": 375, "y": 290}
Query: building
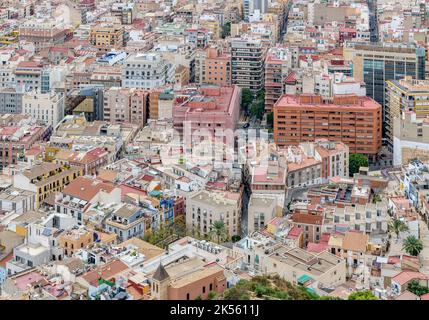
{"x": 277, "y": 65}
{"x": 75, "y": 239}
{"x": 10, "y": 100}
{"x": 187, "y": 280}
{"x": 43, "y": 34}
{"x": 19, "y": 134}
{"x": 217, "y": 68}
{"x": 404, "y": 95}
{"x": 376, "y": 63}
{"x": 410, "y": 138}
{"x": 48, "y": 108}
{"x": 353, "y": 120}
{"x": 17, "y": 200}
{"x": 147, "y": 71}
{"x": 209, "y": 110}
{"x": 261, "y": 210}
{"x": 204, "y": 208}
{"x": 126, "y": 222}
{"x": 82, "y": 193}
{"x": 125, "y": 105}
{"x": 106, "y": 37}
{"x": 45, "y": 179}
{"x": 28, "y": 75}
{"x": 247, "y": 63}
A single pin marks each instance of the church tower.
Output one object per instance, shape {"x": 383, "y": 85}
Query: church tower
{"x": 160, "y": 283}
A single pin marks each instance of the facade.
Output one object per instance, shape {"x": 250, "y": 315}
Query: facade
{"x": 48, "y": 108}
{"x": 377, "y": 63}
{"x": 17, "y": 200}
{"x": 10, "y": 100}
{"x": 217, "y": 68}
{"x": 106, "y": 36}
{"x": 277, "y": 65}
{"x": 410, "y": 138}
{"x": 247, "y": 63}
{"x": 405, "y": 95}
{"x": 210, "y": 110}
{"x": 125, "y": 105}
{"x": 126, "y": 222}
{"x": 42, "y": 34}
{"x": 28, "y": 75}
{"x": 353, "y": 120}
{"x": 147, "y": 71}
{"x": 204, "y": 208}
{"x": 261, "y": 210}
{"x": 45, "y": 179}
{"x": 74, "y": 239}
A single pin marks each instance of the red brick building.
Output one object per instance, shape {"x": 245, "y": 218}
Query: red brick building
{"x": 354, "y": 120}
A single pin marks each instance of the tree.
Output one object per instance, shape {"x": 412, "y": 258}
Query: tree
{"x": 412, "y": 245}
{"x": 246, "y": 98}
{"x": 397, "y": 226}
{"x": 415, "y": 287}
{"x": 218, "y": 230}
{"x": 235, "y": 238}
{"x": 270, "y": 119}
{"x": 212, "y": 295}
{"x": 362, "y": 295}
{"x": 226, "y": 30}
{"x": 258, "y": 106}
{"x": 356, "y": 161}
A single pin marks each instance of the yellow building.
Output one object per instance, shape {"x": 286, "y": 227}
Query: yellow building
{"x": 45, "y": 179}
{"x": 106, "y": 36}
{"x": 75, "y": 239}
{"x": 405, "y": 95}
{"x": 212, "y": 24}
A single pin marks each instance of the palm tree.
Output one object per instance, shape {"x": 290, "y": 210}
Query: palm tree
{"x": 412, "y": 245}
{"x": 218, "y": 229}
{"x": 397, "y": 226}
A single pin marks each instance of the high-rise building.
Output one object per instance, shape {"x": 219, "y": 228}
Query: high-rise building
{"x": 402, "y": 96}
{"x": 247, "y": 63}
{"x": 353, "y": 120}
{"x": 106, "y": 36}
{"x": 249, "y": 6}
{"x": 277, "y": 66}
{"x": 376, "y": 63}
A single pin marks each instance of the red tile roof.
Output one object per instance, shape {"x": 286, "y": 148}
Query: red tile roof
{"x": 406, "y": 276}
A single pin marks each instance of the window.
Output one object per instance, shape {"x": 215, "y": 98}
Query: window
{"x": 211, "y": 286}
{"x": 187, "y": 296}
{"x": 204, "y": 289}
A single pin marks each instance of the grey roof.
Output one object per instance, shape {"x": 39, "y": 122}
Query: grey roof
{"x": 160, "y": 274}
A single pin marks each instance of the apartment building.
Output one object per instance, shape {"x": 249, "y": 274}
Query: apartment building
{"x": 28, "y": 75}
{"x": 216, "y": 68}
{"x": 17, "y": 200}
{"x": 18, "y": 136}
{"x": 48, "y": 108}
{"x": 277, "y": 65}
{"x": 402, "y": 96}
{"x": 247, "y": 63}
{"x": 353, "y": 120}
{"x": 410, "y": 138}
{"x": 212, "y": 108}
{"x": 376, "y": 63}
{"x": 75, "y": 239}
{"x": 147, "y": 71}
{"x": 10, "y": 100}
{"x": 106, "y": 36}
{"x": 261, "y": 209}
{"x": 43, "y": 34}
{"x": 205, "y": 207}
{"x": 45, "y": 179}
{"x": 42, "y": 242}
{"x": 126, "y": 222}
{"x": 125, "y": 105}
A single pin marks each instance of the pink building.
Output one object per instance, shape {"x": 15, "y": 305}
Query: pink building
{"x": 208, "y": 110}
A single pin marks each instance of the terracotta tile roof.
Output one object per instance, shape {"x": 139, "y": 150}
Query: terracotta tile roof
{"x": 307, "y": 218}
{"x": 86, "y": 188}
{"x": 107, "y": 272}
{"x": 406, "y": 276}
{"x": 355, "y": 241}
{"x": 316, "y": 247}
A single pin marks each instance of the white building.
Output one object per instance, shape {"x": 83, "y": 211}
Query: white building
{"x": 147, "y": 71}
{"x": 45, "y": 107}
